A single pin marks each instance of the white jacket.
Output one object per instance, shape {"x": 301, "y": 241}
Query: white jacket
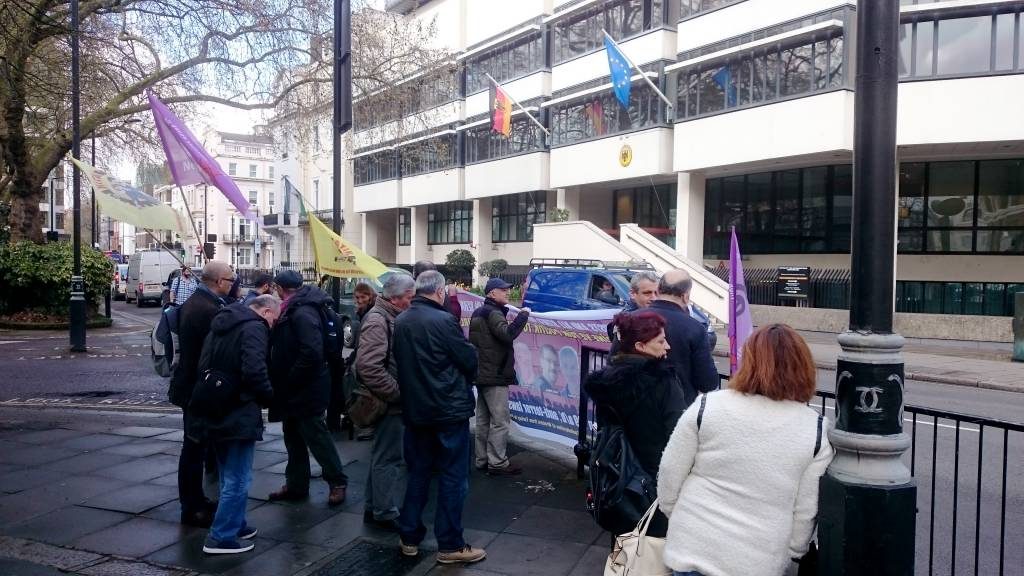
{"x": 741, "y": 493}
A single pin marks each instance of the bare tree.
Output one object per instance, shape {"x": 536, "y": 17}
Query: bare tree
{"x": 257, "y": 54}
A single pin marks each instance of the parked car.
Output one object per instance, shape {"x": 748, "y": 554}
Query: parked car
{"x": 119, "y": 285}
{"x": 147, "y": 273}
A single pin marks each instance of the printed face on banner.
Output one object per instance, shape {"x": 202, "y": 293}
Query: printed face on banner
{"x": 545, "y": 401}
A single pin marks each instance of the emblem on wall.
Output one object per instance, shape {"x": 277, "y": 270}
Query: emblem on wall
{"x": 625, "y": 155}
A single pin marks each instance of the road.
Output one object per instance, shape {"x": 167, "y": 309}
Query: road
{"x": 116, "y": 373}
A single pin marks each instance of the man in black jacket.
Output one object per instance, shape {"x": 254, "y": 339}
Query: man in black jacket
{"x": 194, "y": 320}
{"x": 689, "y": 353}
{"x": 302, "y": 389}
{"x": 491, "y": 333}
{"x": 235, "y": 351}
{"x": 436, "y": 368}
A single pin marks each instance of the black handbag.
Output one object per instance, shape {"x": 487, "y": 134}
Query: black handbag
{"x": 215, "y": 395}
{"x": 808, "y": 564}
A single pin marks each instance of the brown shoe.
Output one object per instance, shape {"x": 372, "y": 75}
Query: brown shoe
{"x": 337, "y": 495}
{"x": 467, "y": 555}
{"x": 509, "y": 470}
{"x": 284, "y": 494}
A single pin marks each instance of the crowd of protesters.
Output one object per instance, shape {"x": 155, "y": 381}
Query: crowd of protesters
{"x": 728, "y": 466}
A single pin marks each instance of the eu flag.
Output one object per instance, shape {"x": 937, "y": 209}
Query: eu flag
{"x": 619, "y": 70}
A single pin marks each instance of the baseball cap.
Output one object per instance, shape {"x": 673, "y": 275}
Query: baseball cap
{"x": 496, "y": 284}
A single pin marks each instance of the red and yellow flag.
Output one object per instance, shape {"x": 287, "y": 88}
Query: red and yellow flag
{"x": 501, "y": 111}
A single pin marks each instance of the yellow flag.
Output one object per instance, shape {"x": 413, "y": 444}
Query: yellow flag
{"x": 337, "y": 257}
{"x": 127, "y": 204}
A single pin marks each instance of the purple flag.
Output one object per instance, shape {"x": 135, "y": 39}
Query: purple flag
{"x": 740, "y": 325}
{"x": 189, "y": 162}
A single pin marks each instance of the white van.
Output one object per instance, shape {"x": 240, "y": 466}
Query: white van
{"x": 147, "y": 272}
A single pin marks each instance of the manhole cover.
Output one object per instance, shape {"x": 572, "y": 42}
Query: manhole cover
{"x": 367, "y": 558}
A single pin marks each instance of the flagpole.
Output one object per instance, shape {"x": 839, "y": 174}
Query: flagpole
{"x": 164, "y": 248}
{"x": 193, "y": 222}
{"x": 516, "y": 102}
{"x": 637, "y": 68}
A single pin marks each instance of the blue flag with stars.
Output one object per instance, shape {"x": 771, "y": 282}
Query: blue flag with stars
{"x": 621, "y": 83}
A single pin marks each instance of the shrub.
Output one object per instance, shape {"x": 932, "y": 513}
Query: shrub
{"x": 493, "y": 268}
{"x": 37, "y": 277}
{"x": 461, "y": 258}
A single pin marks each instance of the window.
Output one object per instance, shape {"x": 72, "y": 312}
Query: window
{"x": 316, "y": 193}
{"x": 375, "y": 167}
{"x": 232, "y": 169}
{"x": 599, "y": 115}
{"x": 962, "y": 207}
{"x": 780, "y": 71}
{"x": 513, "y": 216}
{"x": 786, "y": 212}
{"x": 966, "y": 45}
{"x": 404, "y": 226}
{"x": 653, "y": 208}
{"x": 270, "y": 172}
{"x": 515, "y": 59}
{"x": 581, "y": 33}
{"x": 252, "y": 170}
{"x": 483, "y": 144}
{"x": 254, "y": 197}
{"x": 450, "y": 223}
{"x": 430, "y": 155}
{"x": 252, "y": 151}
{"x": 244, "y": 257}
{"x": 270, "y": 199}
{"x": 423, "y": 93}
{"x": 59, "y": 220}
{"x": 691, "y": 8}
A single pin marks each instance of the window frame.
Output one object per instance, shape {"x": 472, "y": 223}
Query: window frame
{"x": 450, "y": 223}
{"x": 571, "y": 116}
{"x": 916, "y": 20}
{"x": 404, "y": 227}
{"x": 507, "y": 216}
{"x": 587, "y": 20}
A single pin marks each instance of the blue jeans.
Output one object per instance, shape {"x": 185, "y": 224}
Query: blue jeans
{"x": 444, "y": 448}
{"x": 234, "y": 458}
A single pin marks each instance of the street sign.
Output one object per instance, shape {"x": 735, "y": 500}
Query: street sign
{"x": 793, "y": 282}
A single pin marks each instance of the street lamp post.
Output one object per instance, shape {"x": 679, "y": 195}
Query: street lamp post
{"x": 92, "y": 193}
{"x": 77, "y": 304}
{"x": 342, "y": 119}
{"x": 868, "y": 499}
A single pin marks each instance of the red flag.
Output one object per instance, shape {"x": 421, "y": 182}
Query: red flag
{"x": 501, "y": 111}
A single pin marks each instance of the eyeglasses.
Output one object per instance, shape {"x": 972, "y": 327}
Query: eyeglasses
{"x": 226, "y": 280}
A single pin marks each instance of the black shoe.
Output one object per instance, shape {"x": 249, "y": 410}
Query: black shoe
{"x": 199, "y": 519}
{"x": 509, "y": 470}
{"x": 390, "y": 525}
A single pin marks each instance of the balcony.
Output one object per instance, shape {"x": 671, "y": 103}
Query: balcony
{"x": 277, "y": 219}
{"x": 326, "y": 216}
{"x": 246, "y": 239}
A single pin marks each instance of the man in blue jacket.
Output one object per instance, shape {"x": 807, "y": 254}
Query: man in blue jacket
{"x": 689, "y": 353}
{"x": 436, "y": 368}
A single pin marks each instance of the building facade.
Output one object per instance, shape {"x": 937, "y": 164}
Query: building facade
{"x": 758, "y": 136}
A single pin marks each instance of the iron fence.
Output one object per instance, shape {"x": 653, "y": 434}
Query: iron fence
{"x": 969, "y": 489}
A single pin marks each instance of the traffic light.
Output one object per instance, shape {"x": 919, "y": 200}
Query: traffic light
{"x": 210, "y": 249}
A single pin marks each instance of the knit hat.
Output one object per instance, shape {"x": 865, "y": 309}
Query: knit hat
{"x": 288, "y": 279}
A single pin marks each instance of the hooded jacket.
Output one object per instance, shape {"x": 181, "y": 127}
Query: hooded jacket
{"x": 194, "y": 320}
{"x": 643, "y": 395}
{"x": 375, "y": 362}
{"x": 237, "y": 345}
{"x": 491, "y": 333}
{"x": 436, "y": 365}
{"x": 298, "y": 368}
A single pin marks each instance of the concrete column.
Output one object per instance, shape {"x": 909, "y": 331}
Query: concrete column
{"x": 369, "y": 239}
{"x": 484, "y": 248}
{"x": 419, "y": 249}
{"x": 568, "y": 199}
{"x": 353, "y": 222}
{"x": 690, "y": 216}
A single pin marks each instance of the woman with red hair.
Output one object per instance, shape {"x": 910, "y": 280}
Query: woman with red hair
{"x": 739, "y": 477}
{"x": 639, "y": 390}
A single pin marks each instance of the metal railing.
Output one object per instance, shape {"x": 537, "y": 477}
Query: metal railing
{"x": 966, "y": 509}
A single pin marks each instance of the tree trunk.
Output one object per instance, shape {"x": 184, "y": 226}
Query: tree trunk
{"x": 26, "y": 220}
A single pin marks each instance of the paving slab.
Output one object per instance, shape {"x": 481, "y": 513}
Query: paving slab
{"x": 65, "y": 525}
{"x": 47, "y": 436}
{"x": 176, "y": 436}
{"x": 457, "y": 570}
{"x": 141, "y": 431}
{"x": 281, "y": 522}
{"x": 29, "y": 455}
{"x": 275, "y": 445}
{"x": 142, "y": 469}
{"x": 86, "y": 463}
{"x": 133, "y": 539}
{"x": 314, "y": 469}
{"x": 46, "y": 554}
{"x": 12, "y": 567}
{"x": 133, "y": 499}
{"x": 592, "y": 562}
{"x": 94, "y": 441}
{"x": 118, "y": 567}
{"x": 188, "y": 553}
{"x": 264, "y": 458}
{"x": 145, "y": 447}
{"x": 171, "y": 511}
{"x": 285, "y": 558}
{"x": 339, "y": 530}
{"x": 369, "y": 558}
{"x": 555, "y": 524}
{"x": 25, "y": 478}
{"x": 517, "y": 555}
{"x": 482, "y": 513}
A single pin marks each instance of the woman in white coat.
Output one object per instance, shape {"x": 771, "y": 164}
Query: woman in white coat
{"x": 739, "y": 477}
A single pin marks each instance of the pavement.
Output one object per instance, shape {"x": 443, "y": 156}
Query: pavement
{"x": 93, "y": 493}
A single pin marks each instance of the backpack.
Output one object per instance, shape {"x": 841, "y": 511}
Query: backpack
{"x": 620, "y": 491}
{"x": 334, "y": 342}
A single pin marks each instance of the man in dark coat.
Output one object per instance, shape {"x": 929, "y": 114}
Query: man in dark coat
{"x": 436, "y": 367}
{"x": 689, "y": 354}
{"x": 451, "y": 294}
{"x": 262, "y": 284}
{"x": 302, "y": 389}
{"x": 235, "y": 350}
{"x": 491, "y": 333}
{"x": 194, "y": 320}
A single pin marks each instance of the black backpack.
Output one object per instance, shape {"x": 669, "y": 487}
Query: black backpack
{"x": 334, "y": 342}
{"x": 620, "y": 491}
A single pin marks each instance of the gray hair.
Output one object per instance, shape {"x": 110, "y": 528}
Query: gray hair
{"x": 675, "y": 283}
{"x": 397, "y": 285}
{"x": 429, "y": 282}
{"x": 264, "y": 302}
{"x": 642, "y": 276}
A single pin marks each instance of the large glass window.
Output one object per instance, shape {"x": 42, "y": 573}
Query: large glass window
{"x": 484, "y": 144}
{"x": 653, "y": 208}
{"x": 404, "y": 226}
{"x": 513, "y": 216}
{"x": 375, "y": 167}
{"x": 581, "y": 34}
{"x": 690, "y": 8}
{"x": 507, "y": 62}
{"x": 430, "y": 155}
{"x": 405, "y": 99}
{"x": 778, "y": 71}
{"x": 963, "y": 46}
{"x": 450, "y": 223}
{"x": 598, "y": 115}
